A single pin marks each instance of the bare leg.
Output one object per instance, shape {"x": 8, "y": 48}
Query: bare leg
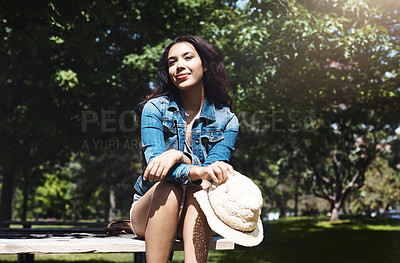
{"x": 139, "y": 213}
{"x": 156, "y": 219}
{"x": 196, "y": 232}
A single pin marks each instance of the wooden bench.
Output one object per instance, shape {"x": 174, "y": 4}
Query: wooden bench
{"x": 26, "y": 243}
{"x": 51, "y": 227}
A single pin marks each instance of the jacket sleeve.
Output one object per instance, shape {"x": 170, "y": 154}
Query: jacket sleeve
{"x": 222, "y": 150}
{"x": 153, "y": 142}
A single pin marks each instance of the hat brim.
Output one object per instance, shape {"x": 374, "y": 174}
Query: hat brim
{"x": 247, "y": 239}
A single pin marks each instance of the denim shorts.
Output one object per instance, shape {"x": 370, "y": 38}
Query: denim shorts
{"x": 136, "y": 197}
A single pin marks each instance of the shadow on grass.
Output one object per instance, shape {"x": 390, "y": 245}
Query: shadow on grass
{"x": 308, "y": 240}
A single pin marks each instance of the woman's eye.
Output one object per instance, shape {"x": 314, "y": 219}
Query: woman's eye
{"x": 172, "y": 62}
{"x": 188, "y": 58}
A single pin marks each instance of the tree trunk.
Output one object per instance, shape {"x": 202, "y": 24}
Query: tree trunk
{"x": 24, "y": 200}
{"x": 106, "y": 210}
{"x": 335, "y": 212}
{"x": 112, "y": 208}
{"x": 344, "y": 208}
{"x": 282, "y": 206}
{"x": 296, "y": 195}
{"x": 7, "y": 192}
{"x": 74, "y": 213}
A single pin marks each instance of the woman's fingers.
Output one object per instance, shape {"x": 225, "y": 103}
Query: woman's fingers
{"x": 163, "y": 173}
{"x": 222, "y": 170}
{"x": 153, "y": 171}
{"x": 230, "y": 170}
{"x": 219, "y": 173}
{"x": 147, "y": 170}
{"x": 158, "y": 172}
{"x": 211, "y": 174}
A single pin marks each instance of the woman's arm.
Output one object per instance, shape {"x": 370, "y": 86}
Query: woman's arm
{"x": 217, "y": 171}
{"x": 160, "y": 165}
{"x": 160, "y": 160}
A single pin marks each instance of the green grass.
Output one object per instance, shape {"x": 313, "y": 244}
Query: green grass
{"x": 352, "y": 240}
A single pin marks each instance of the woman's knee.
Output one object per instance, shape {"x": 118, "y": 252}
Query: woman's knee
{"x": 168, "y": 193}
{"x": 189, "y": 195}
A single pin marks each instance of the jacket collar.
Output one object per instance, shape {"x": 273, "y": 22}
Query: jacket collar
{"x": 207, "y": 111}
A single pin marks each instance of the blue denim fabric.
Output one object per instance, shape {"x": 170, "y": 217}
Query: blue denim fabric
{"x": 163, "y": 127}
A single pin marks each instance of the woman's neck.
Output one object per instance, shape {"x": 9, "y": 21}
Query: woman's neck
{"x": 192, "y": 100}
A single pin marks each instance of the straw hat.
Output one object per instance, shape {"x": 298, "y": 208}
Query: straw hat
{"x": 233, "y": 209}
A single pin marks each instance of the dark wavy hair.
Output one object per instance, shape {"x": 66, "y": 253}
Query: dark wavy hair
{"x": 215, "y": 79}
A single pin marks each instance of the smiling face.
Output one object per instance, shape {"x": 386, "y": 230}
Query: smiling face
{"x": 184, "y": 66}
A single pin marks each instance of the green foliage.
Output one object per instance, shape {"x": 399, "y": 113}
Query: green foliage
{"x": 332, "y": 59}
{"x": 315, "y": 86}
{"x": 381, "y": 189}
{"x": 145, "y": 63}
{"x": 53, "y": 199}
{"x": 66, "y": 79}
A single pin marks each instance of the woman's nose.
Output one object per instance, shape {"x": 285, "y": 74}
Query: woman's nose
{"x": 180, "y": 64}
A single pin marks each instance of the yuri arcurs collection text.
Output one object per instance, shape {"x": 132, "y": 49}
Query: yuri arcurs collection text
{"x": 111, "y": 145}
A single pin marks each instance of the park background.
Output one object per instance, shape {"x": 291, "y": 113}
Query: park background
{"x": 315, "y": 85}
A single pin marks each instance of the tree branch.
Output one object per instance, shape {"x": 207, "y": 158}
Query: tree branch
{"x": 317, "y": 183}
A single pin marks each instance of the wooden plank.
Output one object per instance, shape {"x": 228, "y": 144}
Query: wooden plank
{"x": 88, "y": 244}
{"x": 56, "y": 223}
{"x": 51, "y": 230}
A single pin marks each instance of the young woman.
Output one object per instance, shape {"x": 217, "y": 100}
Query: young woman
{"x": 188, "y": 135}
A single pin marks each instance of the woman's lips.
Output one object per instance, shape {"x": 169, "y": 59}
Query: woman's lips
{"x": 182, "y": 76}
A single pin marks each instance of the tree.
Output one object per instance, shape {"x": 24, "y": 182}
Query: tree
{"x": 54, "y": 197}
{"x": 339, "y": 61}
{"x": 321, "y": 74}
{"x": 381, "y": 189}
{"x": 71, "y": 70}
{"x": 27, "y": 111}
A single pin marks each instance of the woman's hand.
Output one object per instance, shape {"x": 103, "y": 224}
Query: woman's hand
{"x": 217, "y": 171}
{"x": 159, "y": 166}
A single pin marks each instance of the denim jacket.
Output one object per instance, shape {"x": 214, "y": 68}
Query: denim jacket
{"x": 163, "y": 127}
